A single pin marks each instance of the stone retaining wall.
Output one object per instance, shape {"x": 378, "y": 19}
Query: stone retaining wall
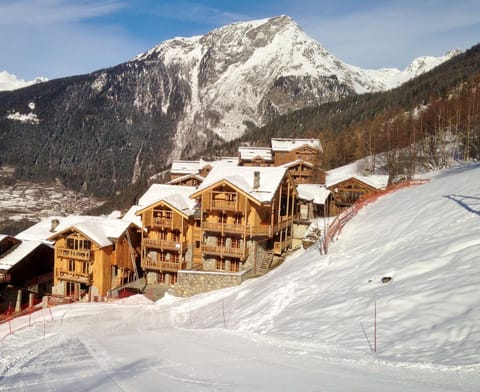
{"x": 195, "y": 282}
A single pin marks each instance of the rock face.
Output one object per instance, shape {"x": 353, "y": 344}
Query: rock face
{"x": 101, "y": 131}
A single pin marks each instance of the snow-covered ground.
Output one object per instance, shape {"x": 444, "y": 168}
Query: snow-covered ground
{"x": 305, "y": 326}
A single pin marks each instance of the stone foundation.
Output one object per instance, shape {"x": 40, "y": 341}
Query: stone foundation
{"x": 195, "y": 282}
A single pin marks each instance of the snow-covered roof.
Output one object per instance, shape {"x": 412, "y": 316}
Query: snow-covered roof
{"x": 313, "y": 192}
{"x": 158, "y": 192}
{"x": 102, "y": 231}
{"x": 287, "y": 144}
{"x": 185, "y": 167}
{"x": 186, "y": 177}
{"x": 193, "y": 167}
{"x": 342, "y": 173}
{"x": 249, "y": 153}
{"x": 243, "y": 177}
{"x": 222, "y": 161}
{"x": 296, "y": 162}
{"x": 18, "y": 253}
{"x": 175, "y": 195}
{"x": 42, "y": 230}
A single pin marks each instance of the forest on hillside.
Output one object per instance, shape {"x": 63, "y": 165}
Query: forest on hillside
{"x": 415, "y": 125}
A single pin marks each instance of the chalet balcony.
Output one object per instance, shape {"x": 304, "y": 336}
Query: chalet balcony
{"x": 77, "y": 254}
{"x": 240, "y": 253}
{"x": 224, "y": 205}
{"x": 163, "y": 265}
{"x": 164, "y": 244}
{"x": 74, "y": 276}
{"x": 224, "y": 227}
{"x": 232, "y": 228}
{"x": 261, "y": 230}
{"x": 280, "y": 246}
{"x": 284, "y": 223}
{"x": 162, "y": 222}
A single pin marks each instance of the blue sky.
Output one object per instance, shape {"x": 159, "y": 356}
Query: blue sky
{"x": 55, "y": 38}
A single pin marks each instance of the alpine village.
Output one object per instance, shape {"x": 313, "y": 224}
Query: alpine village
{"x": 231, "y": 208}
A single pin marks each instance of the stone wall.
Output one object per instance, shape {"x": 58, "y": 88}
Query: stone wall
{"x": 195, "y": 282}
{"x": 299, "y": 230}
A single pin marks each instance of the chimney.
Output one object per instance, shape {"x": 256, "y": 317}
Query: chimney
{"x": 256, "y": 179}
{"x": 53, "y": 225}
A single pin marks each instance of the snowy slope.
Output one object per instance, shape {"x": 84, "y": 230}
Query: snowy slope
{"x": 10, "y": 82}
{"x": 307, "y": 325}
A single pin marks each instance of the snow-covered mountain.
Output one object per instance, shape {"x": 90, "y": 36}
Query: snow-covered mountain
{"x": 254, "y": 71}
{"x": 388, "y": 78}
{"x": 10, "y": 82}
{"x": 132, "y": 120}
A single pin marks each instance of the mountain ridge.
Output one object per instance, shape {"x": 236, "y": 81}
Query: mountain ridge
{"x": 127, "y": 122}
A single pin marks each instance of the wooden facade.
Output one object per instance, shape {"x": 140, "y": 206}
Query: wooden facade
{"x": 347, "y": 192}
{"x": 170, "y": 241}
{"x": 83, "y": 265}
{"x": 238, "y": 229}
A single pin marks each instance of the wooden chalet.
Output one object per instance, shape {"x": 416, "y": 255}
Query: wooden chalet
{"x": 287, "y": 150}
{"x": 94, "y": 256}
{"x": 255, "y": 156}
{"x": 26, "y": 265}
{"x": 246, "y": 217}
{"x": 313, "y": 200}
{"x": 301, "y": 171}
{"x": 171, "y": 232}
{"x": 181, "y": 168}
{"x": 349, "y": 189}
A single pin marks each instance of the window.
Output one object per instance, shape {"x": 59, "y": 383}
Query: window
{"x": 75, "y": 243}
{"x": 197, "y": 244}
{"x": 220, "y": 265}
{"x": 176, "y": 235}
{"x": 71, "y": 265}
{"x": 235, "y": 266}
{"x": 85, "y": 268}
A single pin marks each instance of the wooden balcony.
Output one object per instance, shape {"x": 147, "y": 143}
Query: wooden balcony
{"x": 162, "y": 265}
{"x": 240, "y": 253}
{"x": 224, "y": 205}
{"x": 260, "y": 230}
{"x": 164, "y": 244}
{"x": 77, "y": 254}
{"x": 280, "y": 246}
{"x": 74, "y": 276}
{"x": 224, "y": 227}
{"x": 283, "y": 224}
{"x": 162, "y": 222}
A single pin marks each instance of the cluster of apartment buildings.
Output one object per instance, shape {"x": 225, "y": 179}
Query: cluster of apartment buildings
{"x": 213, "y": 225}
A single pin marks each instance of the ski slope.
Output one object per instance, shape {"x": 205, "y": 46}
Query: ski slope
{"x": 305, "y": 326}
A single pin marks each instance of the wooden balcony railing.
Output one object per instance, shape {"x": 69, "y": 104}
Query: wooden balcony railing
{"x": 222, "y": 251}
{"x": 261, "y": 230}
{"x": 163, "y": 265}
{"x": 283, "y": 224}
{"x": 78, "y": 254}
{"x": 164, "y": 244}
{"x": 162, "y": 222}
{"x": 223, "y": 227}
{"x": 74, "y": 276}
{"x": 224, "y": 205}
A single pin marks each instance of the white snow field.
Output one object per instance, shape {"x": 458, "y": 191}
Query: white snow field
{"x": 305, "y": 326}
